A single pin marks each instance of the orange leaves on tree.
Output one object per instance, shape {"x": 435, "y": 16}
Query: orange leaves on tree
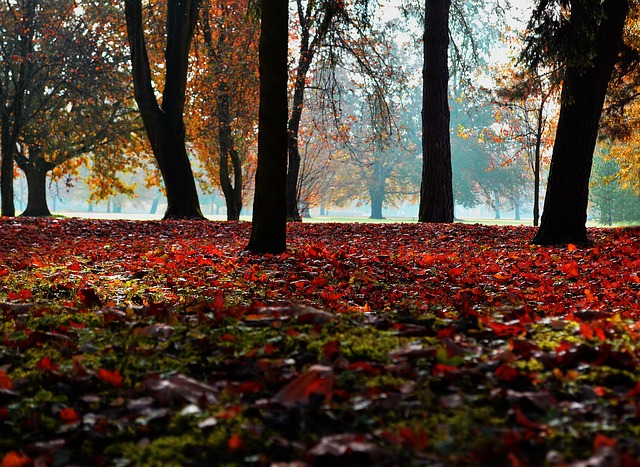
{"x": 110, "y": 377}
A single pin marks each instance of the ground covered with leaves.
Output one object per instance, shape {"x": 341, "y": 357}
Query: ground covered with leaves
{"x": 165, "y": 343}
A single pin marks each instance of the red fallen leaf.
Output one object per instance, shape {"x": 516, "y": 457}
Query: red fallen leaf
{"x": 440, "y": 369}
{"x": 247, "y": 387}
{"x": 75, "y": 267}
{"x": 230, "y": 412}
{"x": 69, "y": 416}
{"x": 330, "y": 350}
{"x": 235, "y": 443}
{"x": 89, "y": 297}
{"x": 110, "y": 377}
{"x": 5, "y": 382}
{"x": 635, "y": 391}
{"x": 571, "y": 248}
{"x": 524, "y": 421}
{"x": 318, "y": 380}
{"x": 24, "y": 294}
{"x": 586, "y": 331}
{"x": 15, "y": 459}
{"x": 4, "y": 413}
{"x": 506, "y": 373}
{"x": 417, "y": 440}
{"x": 571, "y": 270}
{"x": 78, "y": 368}
{"x": 45, "y": 364}
{"x": 601, "y": 440}
{"x": 348, "y": 449}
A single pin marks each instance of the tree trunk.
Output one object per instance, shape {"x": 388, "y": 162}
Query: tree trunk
{"x": 35, "y": 169}
{"x": 6, "y": 177}
{"x": 232, "y": 191}
{"x": 377, "y": 198}
{"x": 269, "y": 227}
{"x": 165, "y": 125}
{"x": 308, "y": 49}
{"x": 154, "y": 206}
{"x": 436, "y": 193}
{"x": 11, "y": 120}
{"x": 565, "y": 208}
{"x": 536, "y": 166}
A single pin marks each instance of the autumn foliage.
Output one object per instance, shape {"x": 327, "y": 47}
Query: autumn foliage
{"x": 363, "y": 344}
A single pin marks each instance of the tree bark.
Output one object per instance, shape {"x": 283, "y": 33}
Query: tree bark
{"x": 308, "y": 49}
{"x": 6, "y": 177}
{"x": 377, "y": 198}
{"x": 565, "y": 208}
{"x": 35, "y": 169}
{"x": 13, "y": 112}
{"x": 269, "y": 227}
{"x": 165, "y": 125}
{"x": 232, "y": 191}
{"x": 436, "y": 192}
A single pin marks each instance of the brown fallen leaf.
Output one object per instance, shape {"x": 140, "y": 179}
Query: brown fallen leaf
{"x": 318, "y": 380}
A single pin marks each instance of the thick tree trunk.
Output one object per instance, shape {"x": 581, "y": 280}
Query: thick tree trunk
{"x": 269, "y": 227}
{"x": 377, "y": 198}
{"x": 565, "y": 208}
{"x": 6, "y": 177}
{"x": 436, "y": 193}
{"x": 165, "y": 125}
{"x": 35, "y": 169}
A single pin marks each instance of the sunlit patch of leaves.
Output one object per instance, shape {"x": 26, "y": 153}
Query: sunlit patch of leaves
{"x": 165, "y": 343}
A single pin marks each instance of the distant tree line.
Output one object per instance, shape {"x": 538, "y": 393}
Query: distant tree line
{"x": 121, "y": 85}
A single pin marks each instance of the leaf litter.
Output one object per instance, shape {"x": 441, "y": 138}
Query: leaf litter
{"x": 146, "y": 343}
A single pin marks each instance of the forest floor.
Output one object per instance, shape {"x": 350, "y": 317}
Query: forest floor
{"x": 165, "y": 343}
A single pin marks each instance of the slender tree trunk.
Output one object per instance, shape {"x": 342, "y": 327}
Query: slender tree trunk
{"x": 232, "y": 191}
{"x": 536, "y": 167}
{"x": 154, "y": 206}
{"x": 269, "y": 227}
{"x": 308, "y": 49}
{"x": 165, "y": 125}
{"x": 35, "y": 169}
{"x": 436, "y": 193}
{"x": 496, "y": 205}
{"x": 584, "y": 89}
